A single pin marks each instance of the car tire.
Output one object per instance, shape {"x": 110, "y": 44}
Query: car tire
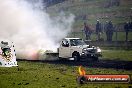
{"x": 95, "y": 59}
{"x": 76, "y": 57}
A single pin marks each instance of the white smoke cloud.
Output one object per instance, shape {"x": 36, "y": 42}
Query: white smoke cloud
{"x": 30, "y": 27}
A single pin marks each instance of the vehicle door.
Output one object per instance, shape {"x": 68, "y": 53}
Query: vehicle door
{"x": 64, "y": 50}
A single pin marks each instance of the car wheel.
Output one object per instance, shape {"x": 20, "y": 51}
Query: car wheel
{"x": 95, "y": 58}
{"x": 60, "y": 58}
{"x": 76, "y": 58}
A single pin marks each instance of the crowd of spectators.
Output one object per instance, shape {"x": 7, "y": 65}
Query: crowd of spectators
{"x": 108, "y": 28}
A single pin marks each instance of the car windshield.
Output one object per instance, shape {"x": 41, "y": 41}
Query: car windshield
{"x": 77, "y": 42}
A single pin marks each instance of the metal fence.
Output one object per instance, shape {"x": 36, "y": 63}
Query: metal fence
{"x": 117, "y": 36}
{"x": 118, "y": 40}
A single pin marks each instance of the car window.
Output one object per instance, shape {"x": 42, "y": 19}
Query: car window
{"x": 65, "y": 43}
{"x": 76, "y": 42}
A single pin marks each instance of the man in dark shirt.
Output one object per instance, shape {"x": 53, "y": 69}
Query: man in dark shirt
{"x": 98, "y": 30}
{"x": 87, "y": 31}
{"x": 126, "y": 28}
{"x": 109, "y": 31}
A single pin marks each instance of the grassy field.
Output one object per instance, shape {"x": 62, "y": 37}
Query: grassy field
{"x": 93, "y": 10}
{"x": 48, "y": 75}
{"x": 124, "y": 55}
{"x": 45, "y": 75}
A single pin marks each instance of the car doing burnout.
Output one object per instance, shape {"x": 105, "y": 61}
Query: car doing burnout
{"x": 76, "y": 48}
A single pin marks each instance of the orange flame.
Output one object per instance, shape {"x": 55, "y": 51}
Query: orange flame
{"x": 81, "y": 71}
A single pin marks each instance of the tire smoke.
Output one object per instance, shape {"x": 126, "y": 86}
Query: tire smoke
{"x": 31, "y": 28}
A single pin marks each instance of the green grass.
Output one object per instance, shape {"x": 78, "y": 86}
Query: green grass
{"x": 94, "y": 10}
{"x": 44, "y": 75}
{"x": 124, "y": 55}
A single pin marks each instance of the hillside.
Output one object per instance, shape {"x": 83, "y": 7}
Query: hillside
{"x": 118, "y": 11}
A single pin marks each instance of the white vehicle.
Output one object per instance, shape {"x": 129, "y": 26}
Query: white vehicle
{"x": 76, "y": 48}
{"x": 7, "y": 54}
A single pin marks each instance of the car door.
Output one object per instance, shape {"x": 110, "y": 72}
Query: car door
{"x": 64, "y": 49}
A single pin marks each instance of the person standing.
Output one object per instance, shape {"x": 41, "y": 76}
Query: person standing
{"x": 130, "y": 26}
{"x": 87, "y": 31}
{"x": 109, "y": 31}
{"x": 105, "y": 30}
{"x": 126, "y": 28}
{"x": 98, "y": 30}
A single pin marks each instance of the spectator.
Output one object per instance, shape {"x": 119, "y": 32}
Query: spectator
{"x": 109, "y": 31}
{"x": 98, "y": 30}
{"x": 126, "y": 28}
{"x": 87, "y": 31}
{"x": 105, "y": 26}
{"x": 130, "y": 26}
{"x": 105, "y": 30}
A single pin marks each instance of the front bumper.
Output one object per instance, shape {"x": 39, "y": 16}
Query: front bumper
{"x": 89, "y": 55}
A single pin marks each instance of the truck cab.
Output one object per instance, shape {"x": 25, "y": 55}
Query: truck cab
{"x": 76, "y": 48}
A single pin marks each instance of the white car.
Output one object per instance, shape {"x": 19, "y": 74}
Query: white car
{"x": 76, "y": 48}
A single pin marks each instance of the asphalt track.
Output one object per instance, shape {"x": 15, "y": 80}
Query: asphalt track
{"x": 126, "y": 65}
